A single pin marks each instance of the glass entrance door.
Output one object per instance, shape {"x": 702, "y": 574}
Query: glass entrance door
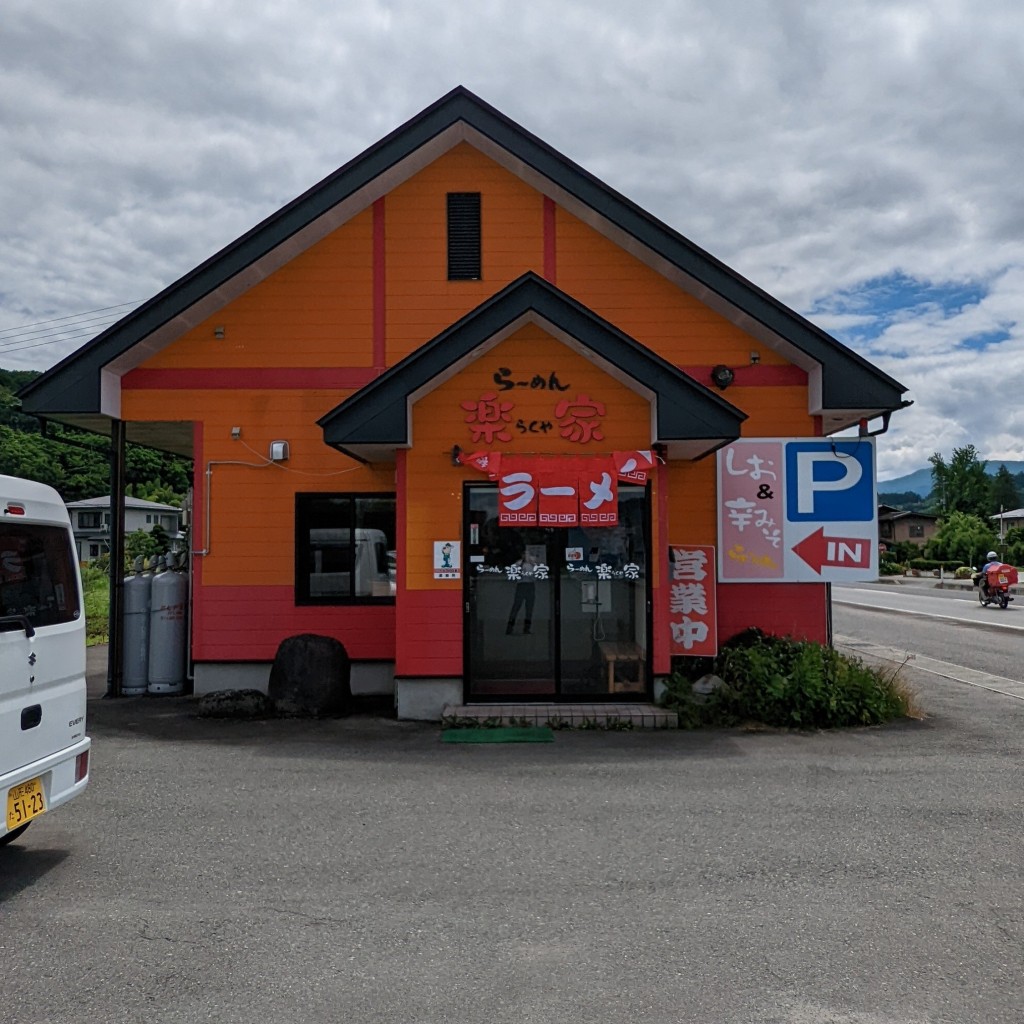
{"x": 556, "y": 613}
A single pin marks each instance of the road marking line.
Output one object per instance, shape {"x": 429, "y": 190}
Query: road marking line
{"x": 958, "y": 673}
{"x": 931, "y": 615}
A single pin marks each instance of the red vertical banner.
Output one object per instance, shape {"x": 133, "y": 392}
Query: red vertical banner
{"x": 599, "y": 492}
{"x": 517, "y": 491}
{"x": 692, "y": 600}
{"x": 559, "y": 502}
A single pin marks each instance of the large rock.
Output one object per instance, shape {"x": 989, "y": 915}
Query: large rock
{"x": 235, "y": 704}
{"x": 311, "y": 676}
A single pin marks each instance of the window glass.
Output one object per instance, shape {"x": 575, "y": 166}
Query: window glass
{"x": 37, "y": 574}
{"x": 88, "y": 520}
{"x": 345, "y": 548}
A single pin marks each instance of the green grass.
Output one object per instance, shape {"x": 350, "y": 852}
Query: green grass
{"x": 96, "y": 586}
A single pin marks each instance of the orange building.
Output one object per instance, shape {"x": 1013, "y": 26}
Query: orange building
{"x": 452, "y": 406}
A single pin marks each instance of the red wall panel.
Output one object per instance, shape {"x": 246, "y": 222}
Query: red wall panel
{"x": 429, "y": 633}
{"x": 785, "y": 609}
{"x": 248, "y": 624}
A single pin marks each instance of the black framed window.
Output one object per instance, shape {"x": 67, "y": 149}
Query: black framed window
{"x": 344, "y": 548}
{"x": 464, "y": 262}
{"x": 37, "y": 575}
{"x": 88, "y": 520}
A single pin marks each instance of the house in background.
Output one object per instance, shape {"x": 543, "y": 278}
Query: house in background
{"x": 91, "y": 518}
{"x": 894, "y": 524}
{"x": 458, "y": 407}
{"x": 1011, "y": 519}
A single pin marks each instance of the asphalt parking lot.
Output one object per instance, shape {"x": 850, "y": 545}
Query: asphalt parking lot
{"x": 361, "y": 870}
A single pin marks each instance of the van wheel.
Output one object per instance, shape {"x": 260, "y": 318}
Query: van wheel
{"x": 9, "y": 837}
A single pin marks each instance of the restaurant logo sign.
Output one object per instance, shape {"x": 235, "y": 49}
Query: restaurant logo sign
{"x": 492, "y": 417}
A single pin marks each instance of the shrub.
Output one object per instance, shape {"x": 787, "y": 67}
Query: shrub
{"x": 886, "y": 568}
{"x": 787, "y": 683}
{"x": 933, "y": 564}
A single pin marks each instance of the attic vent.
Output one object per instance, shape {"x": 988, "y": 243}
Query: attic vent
{"x": 463, "y": 236}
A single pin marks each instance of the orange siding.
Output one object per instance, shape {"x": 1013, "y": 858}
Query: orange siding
{"x": 421, "y": 301}
{"x": 773, "y": 412}
{"x": 316, "y": 310}
{"x": 644, "y": 304}
{"x": 692, "y": 517}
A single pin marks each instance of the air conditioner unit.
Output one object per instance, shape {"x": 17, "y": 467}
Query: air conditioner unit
{"x": 105, "y": 528}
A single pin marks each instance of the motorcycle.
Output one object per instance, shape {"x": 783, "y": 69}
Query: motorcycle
{"x": 994, "y": 585}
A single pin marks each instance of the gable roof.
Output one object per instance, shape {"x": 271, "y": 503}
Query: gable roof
{"x": 144, "y": 504}
{"x": 890, "y": 512}
{"x": 688, "y": 418}
{"x": 84, "y": 388}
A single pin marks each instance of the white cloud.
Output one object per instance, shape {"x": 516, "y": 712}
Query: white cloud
{"x": 814, "y": 147}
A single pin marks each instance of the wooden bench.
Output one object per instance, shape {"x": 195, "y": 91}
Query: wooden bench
{"x": 615, "y": 655}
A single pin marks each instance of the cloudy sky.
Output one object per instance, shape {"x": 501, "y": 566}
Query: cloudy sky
{"x": 862, "y": 161}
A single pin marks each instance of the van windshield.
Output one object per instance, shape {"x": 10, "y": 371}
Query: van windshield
{"x": 37, "y": 574}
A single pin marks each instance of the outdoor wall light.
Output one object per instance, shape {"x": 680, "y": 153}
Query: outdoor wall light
{"x": 218, "y": 332}
{"x": 722, "y": 376}
{"x": 456, "y": 452}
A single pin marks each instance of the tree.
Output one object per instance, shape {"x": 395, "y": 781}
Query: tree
{"x": 146, "y": 544}
{"x": 1013, "y": 546}
{"x": 909, "y": 501}
{"x": 1004, "y": 491}
{"x": 964, "y": 536}
{"x": 963, "y": 485}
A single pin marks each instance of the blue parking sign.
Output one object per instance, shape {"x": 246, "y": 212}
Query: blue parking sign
{"x": 830, "y": 481}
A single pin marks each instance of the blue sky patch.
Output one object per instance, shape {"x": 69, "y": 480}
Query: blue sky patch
{"x": 895, "y": 297}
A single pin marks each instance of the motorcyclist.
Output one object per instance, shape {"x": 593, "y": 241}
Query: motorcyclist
{"x": 991, "y": 561}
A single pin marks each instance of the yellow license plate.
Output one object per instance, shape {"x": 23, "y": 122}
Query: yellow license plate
{"x": 25, "y": 802}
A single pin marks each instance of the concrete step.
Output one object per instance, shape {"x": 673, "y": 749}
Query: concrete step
{"x": 573, "y": 716}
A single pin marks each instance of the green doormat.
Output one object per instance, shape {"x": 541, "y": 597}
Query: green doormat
{"x": 519, "y": 734}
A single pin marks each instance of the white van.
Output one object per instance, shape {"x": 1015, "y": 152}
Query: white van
{"x": 44, "y": 751}
{"x": 333, "y": 561}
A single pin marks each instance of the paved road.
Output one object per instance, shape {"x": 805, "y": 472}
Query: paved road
{"x": 946, "y": 625}
{"x": 362, "y": 871}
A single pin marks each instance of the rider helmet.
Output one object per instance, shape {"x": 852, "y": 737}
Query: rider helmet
{"x": 991, "y": 556}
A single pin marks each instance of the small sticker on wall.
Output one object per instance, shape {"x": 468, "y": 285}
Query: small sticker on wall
{"x": 447, "y": 560}
{"x": 574, "y": 554}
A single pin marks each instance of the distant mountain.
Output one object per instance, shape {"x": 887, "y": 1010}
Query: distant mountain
{"x": 920, "y": 481}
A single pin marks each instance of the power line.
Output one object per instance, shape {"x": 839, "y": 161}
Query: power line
{"x": 56, "y": 331}
{"x": 69, "y": 316}
{"x": 70, "y": 336}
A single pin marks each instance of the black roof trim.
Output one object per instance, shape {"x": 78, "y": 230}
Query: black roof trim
{"x": 849, "y": 381}
{"x": 378, "y": 414}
